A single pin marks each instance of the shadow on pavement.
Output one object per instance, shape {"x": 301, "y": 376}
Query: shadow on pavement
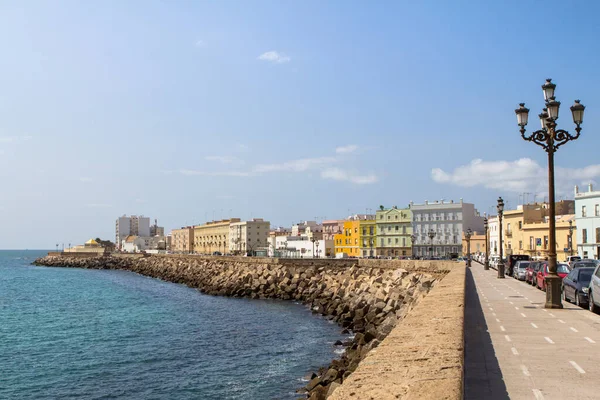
{"x": 483, "y": 378}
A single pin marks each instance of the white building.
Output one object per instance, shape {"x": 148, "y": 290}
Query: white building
{"x": 300, "y": 247}
{"x": 494, "y": 235}
{"x": 134, "y": 225}
{"x": 246, "y": 236}
{"x": 448, "y": 220}
{"x": 587, "y": 221}
{"x": 135, "y": 244}
{"x": 300, "y": 229}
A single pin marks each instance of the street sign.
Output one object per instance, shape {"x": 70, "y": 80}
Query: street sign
{"x": 566, "y": 249}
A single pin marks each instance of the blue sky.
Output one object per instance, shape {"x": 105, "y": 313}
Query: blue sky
{"x": 183, "y": 110}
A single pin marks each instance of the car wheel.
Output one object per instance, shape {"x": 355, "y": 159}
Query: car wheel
{"x": 592, "y": 307}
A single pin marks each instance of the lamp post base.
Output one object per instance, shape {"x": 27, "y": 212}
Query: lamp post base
{"x": 553, "y": 288}
{"x": 486, "y": 266}
{"x": 501, "y": 271}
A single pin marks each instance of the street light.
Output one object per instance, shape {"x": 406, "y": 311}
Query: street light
{"x": 550, "y": 139}
{"x": 312, "y": 239}
{"x": 468, "y": 237}
{"x": 500, "y": 208}
{"x": 431, "y": 235}
{"x": 413, "y": 237}
{"x": 317, "y": 243}
{"x": 571, "y": 237}
{"x": 486, "y": 266}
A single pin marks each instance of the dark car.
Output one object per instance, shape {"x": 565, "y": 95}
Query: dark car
{"x": 537, "y": 269}
{"x": 584, "y": 264}
{"x": 512, "y": 260}
{"x": 529, "y": 271}
{"x": 575, "y": 285}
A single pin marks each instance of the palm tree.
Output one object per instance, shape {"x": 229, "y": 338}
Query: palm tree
{"x": 381, "y": 208}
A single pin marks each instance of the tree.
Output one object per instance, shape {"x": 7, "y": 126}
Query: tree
{"x": 381, "y": 208}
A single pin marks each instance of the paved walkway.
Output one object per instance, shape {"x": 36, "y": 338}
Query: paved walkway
{"x": 514, "y": 348}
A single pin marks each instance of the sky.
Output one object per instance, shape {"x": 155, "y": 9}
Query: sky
{"x": 188, "y": 111}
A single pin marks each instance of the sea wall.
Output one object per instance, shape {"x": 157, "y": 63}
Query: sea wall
{"x": 367, "y": 297}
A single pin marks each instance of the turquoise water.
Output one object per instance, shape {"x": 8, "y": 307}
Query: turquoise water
{"x": 89, "y": 334}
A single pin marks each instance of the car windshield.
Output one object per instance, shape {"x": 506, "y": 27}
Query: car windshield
{"x": 562, "y": 269}
{"x": 585, "y": 276}
{"x": 523, "y": 265}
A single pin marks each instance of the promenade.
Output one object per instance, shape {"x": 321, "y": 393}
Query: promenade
{"x": 514, "y": 348}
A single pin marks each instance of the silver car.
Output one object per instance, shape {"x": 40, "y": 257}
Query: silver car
{"x": 520, "y": 270}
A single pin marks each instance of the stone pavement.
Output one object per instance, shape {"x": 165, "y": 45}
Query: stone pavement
{"x": 514, "y": 348}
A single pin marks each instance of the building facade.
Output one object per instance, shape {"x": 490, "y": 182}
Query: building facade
{"x": 133, "y": 225}
{"x": 182, "y": 240}
{"x": 213, "y": 236}
{"x": 394, "y": 227}
{"x": 301, "y": 247}
{"x": 135, "y": 244}
{"x": 348, "y": 242}
{"x": 536, "y": 238}
{"x": 332, "y": 228}
{"x": 447, "y": 221}
{"x": 248, "y": 236}
{"x": 493, "y": 235}
{"x": 587, "y": 216}
{"x": 156, "y": 230}
{"x": 368, "y": 237}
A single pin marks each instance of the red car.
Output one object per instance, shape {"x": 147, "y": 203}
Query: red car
{"x": 561, "y": 269}
{"x": 530, "y": 271}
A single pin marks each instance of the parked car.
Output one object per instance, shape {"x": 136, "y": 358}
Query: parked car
{"x": 529, "y": 271}
{"x": 561, "y": 269}
{"x": 594, "y": 291}
{"x": 494, "y": 262}
{"x": 536, "y": 269}
{"x": 511, "y": 260}
{"x": 520, "y": 270}
{"x": 571, "y": 259}
{"x": 584, "y": 264}
{"x": 575, "y": 285}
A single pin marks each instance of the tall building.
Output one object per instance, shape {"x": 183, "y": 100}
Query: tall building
{"x": 133, "y": 225}
{"x": 493, "y": 235}
{"x": 248, "y": 236}
{"x": 213, "y": 236}
{"x": 448, "y": 221}
{"x": 587, "y": 214}
{"x": 393, "y": 232}
{"x": 156, "y": 230}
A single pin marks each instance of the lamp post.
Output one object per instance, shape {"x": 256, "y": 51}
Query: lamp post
{"x": 468, "y": 237}
{"x": 550, "y": 139}
{"x": 413, "y": 237}
{"x": 285, "y": 248}
{"x": 431, "y": 235}
{"x": 486, "y": 266}
{"x": 500, "y": 208}
{"x": 571, "y": 237}
{"x": 317, "y": 243}
{"x": 312, "y": 239}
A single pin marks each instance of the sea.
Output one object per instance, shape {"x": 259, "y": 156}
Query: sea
{"x": 97, "y": 334}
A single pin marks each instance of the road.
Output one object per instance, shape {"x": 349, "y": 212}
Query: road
{"x": 515, "y": 348}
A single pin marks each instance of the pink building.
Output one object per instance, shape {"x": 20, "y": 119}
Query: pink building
{"x": 332, "y": 227}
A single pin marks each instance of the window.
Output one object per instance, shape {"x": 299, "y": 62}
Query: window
{"x": 520, "y": 245}
{"x": 508, "y": 230}
{"x": 584, "y": 235}
{"x": 520, "y": 224}
{"x": 545, "y": 242}
{"x": 509, "y": 245}
{"x": 403, "y": 242}
{"x": 597, "y": 210}
{"x": 364, "y": 231}
{"x": 597, "y": 235}
{"x": 404, "y": 229}
{"x": 396, "y": 217}
{"x": 583, "y": 211}
{"x": 396, "y": 228}
{"x": 389, "y": 241}
{"x": 382, "y": 242}
{"x": 396, "y": 241}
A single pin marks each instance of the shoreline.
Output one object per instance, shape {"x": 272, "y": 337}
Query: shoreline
{"x": 366, "y": 301}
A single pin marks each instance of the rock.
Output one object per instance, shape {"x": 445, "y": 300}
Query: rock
{"x": 338, "y": 343}
{"x": 332, "y": 387}
{"x": 313, "y": 383}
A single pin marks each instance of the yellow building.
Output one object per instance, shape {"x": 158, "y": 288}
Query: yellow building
{"x": 348, "y": 242}
{"x": 91, "y": 246}
{"x": 368, "y": 237}
{"x": 536, "y": 238}
{"x": 213, "y": 236}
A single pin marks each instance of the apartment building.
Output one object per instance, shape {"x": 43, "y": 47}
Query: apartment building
{"x": 182, "y": 240}
{"x": 248, "y": 236}
{"x": 213, "y": 236}
{"x": 133, "y": 225}
{"x": 394, "y": 227}
{"x": 587, "y": 217}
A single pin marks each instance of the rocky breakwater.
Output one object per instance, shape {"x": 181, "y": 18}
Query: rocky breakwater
{"x": 368, "y": 301}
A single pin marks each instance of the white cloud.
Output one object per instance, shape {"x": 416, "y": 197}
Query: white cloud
{"x": 351, "y": 148}
{"x": 274, "y": 57}
{"x": 191, "y": 172}
{"x": 523, "y": 175}
{"x": 85, "y": 179}
{"x": 242, "y": 147}
{"x": 338, "y": 174}
{"x": 223, "y": 159}
{"x": 296, "y": 165}
{"x": 200, "y": 43}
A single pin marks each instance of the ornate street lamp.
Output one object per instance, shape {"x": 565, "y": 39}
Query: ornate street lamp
{"x": 431, "y": 235}
{"x": 317, "y": 243}
{"x": 486, "y": 266}
{"x": 413, "y": 237}
{"x": 571, "y": 237}
{"x": 468, "y": 234}
{"x": 550, "y": 139}
{"x": 500, "y": 208}
{"x": 312, "y": 239}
